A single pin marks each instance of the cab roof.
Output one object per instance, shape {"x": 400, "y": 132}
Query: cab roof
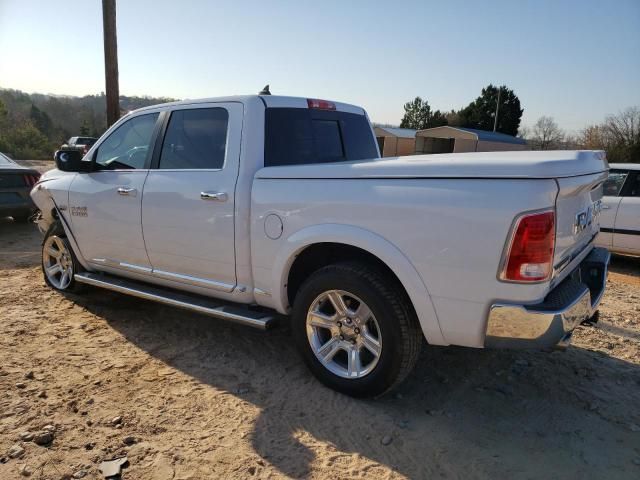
{"x": 270, "y": 101}
{"x": 624, "y": 166}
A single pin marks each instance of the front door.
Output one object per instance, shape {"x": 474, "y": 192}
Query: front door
{"x": 189, "y": 197}
{"x": 106, "y": 204}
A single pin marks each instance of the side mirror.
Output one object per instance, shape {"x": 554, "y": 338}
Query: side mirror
{"x": 71, "y": 161}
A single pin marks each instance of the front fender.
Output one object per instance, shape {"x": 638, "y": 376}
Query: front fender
{"x": 370, "y": 242}
{"x": 51, "y": 195}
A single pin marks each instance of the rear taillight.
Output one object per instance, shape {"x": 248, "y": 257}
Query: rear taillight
{"x": 31, "y": 180}
{"x": 529, "y": 256}
{"x": 320, "y": 104}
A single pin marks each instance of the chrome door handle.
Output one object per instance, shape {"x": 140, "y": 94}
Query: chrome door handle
{"x": 217, "y": 196}
{"x": 605, "y": 207}
{"x": 126, "y": 191}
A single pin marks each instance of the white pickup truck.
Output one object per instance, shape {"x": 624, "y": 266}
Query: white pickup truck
{"x": 258, "y": 208}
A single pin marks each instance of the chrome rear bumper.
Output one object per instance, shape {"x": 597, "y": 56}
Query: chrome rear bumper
{"x": 552, "y": 321}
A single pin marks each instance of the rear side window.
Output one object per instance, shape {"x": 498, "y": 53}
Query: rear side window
{"x": 195, "y": 139}
{"x": 298, "y": 136}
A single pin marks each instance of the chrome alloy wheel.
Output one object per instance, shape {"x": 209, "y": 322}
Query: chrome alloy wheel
{"x": 57, "y": 262}
{"x": 344, "y": 334}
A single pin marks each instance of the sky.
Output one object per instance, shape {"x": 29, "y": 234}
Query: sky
{"x": 575, "y": 60}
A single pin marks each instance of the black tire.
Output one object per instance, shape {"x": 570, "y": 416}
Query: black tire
{"x": 399, "y": 328}
{"x": 591, "y": 321}
{"x": 21, "y": 218}
{"x": 56, "y": 229}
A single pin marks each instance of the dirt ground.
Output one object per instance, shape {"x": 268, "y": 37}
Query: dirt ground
{"x": 188, "y": 397}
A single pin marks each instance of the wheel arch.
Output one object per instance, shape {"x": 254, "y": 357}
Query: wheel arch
{"x": 58, "y": 218}
{"x": 327, "y": 239}
{"x": 51, "y": 196}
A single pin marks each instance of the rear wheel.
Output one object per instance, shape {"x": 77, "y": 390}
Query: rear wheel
{"x": 58, "y": 261}
{"x": 355, "y": 329}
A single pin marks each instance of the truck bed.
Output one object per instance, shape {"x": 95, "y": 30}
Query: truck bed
{"x": 529, "y": 165}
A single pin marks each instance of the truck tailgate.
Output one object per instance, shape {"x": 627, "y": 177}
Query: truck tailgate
{"x": 577, "y": 216}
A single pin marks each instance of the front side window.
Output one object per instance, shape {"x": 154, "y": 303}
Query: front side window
{"x": 128, "y": 146}
{"x": 195, "y": 139}
{"x": 614, "y": 183}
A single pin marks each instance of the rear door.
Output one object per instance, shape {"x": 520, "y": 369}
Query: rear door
{"x": 626, "y": 237}
{"x": 189, "y": 196}
{"x": 105, "y": 204}
{"x": 610, "y": 202}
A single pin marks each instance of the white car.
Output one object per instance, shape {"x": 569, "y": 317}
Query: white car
{"x": 620, "y": 219}
{"x": 247, "y": 207}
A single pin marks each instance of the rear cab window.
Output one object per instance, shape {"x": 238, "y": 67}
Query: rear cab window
{"x": 300, "y": 136}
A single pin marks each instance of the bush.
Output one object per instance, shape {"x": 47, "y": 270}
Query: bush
{"x": 26, "y": 142}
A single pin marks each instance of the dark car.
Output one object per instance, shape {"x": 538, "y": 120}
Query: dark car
{"x": 15, "y": 184}
{"x": 82, "y": 144}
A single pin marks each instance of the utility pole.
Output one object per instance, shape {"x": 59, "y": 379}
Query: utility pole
{"x": 495, "y": 120}
{"x": 111, "y": 60}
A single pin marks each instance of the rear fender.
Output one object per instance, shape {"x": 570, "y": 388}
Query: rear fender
{"x": 370, "y": 242}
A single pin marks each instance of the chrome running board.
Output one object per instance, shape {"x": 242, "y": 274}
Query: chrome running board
{"x": 196, "y": 303}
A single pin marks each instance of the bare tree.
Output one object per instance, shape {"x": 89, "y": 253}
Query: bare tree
{"x": 111, "y": 60}
{"x": 619, "y": 136}
{"x": 571, "y": 142}
{"x": 594, "y": 137}
{"x": 624, "y": 128}
{"x": 454, "y": 119}
{"x": 546, "y": 134}
{"x": 524, "y": 132}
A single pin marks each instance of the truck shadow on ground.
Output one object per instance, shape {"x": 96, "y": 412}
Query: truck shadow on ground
{"x": 463, "y": 412}
{"x": 625, "y": 265}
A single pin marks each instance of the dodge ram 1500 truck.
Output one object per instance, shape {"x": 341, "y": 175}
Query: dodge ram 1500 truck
{"x": 258, "y": 208}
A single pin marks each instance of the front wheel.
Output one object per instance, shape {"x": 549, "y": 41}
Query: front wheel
{"x": 58, "y": 261}
{"x": 355, "y": 329}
